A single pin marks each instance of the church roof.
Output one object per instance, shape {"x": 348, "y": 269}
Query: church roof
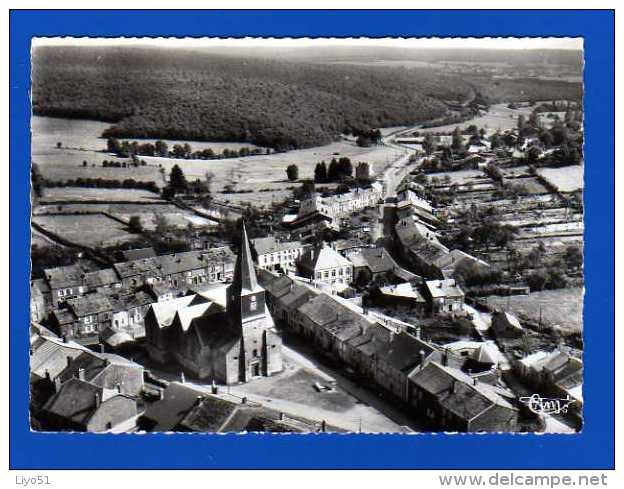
{"x": 245, "y": 280}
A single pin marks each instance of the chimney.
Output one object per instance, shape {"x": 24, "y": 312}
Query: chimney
{"x": 418, "y": 332}
{"x": 281, "y": 416}
{"x": 64, "y": 338}
{"x": 98, "y": 400}
{"x": 453, "y": 386}
{"x": 69, "y": 360}
{"x": 421, "y": 355}
{"x": 48, "y": 376}
{"x": 445, "y": 357}
{"x": 101, "y": 347}
{"x": 161, "y": 394}
{"x": 118, "y": 388}
{"x": 81, "y": 374}
{"x": 244, "y": 400}
{"x": 182, "y": 377}
{"x": 323, "y": 426}
{"x": 214, "y": 388}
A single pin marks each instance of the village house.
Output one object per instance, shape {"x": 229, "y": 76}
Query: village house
{"x": 454, "y": 260}
{"x": 446, "y": 296}
{"x": 179, "y": 270}
{"x": 323, "y": 265}
{"x": 273, "y": 254}
{"x": 284, "y": 295}
{"x": 40, "y": 300}
{"x": 182, "y": 408}
{"x": 84, "y": 317}
{"x": 556, "y": 374}
{"x": 129, "y": 309}
{"x": 376, "y": 264}
{"x": 342, "y": 205}
{"x": 420, "y": 246}
{"x": 55, "y": 362}
{"x": 75, "y": 280}
{"x": 451, "y": 400}
{"x": 230, "y": 345}
{"x": 82, "y": 406}
{"x": 405, "y": 295}
{"x": 136, "y": 254}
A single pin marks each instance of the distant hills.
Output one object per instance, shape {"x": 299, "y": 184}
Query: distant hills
{"x": 291, "y": 99}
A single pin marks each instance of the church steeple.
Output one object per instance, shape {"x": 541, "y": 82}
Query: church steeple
{"x": 245, "y": 279}
{"x": 245, "y": 299}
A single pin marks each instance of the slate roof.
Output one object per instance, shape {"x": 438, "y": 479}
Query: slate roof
{"x": 75, "y": 401}
{"x": 166, "y": 414}
{"x": 457, "y": 392}
{"x": 323, "y": 258}
{"x": 51, "y": 354}
{"x": 262, "y": 246}
{"x": 334, "y": 317}
{"x": 444, "y": 288}
{"x": 455, "y": 257}
{"x": 90, "y": 304}
{"x": 403, "y": 351}
{"x": 286, "y": 291}
{"x": 175, "y": 263}
{"x": 75, "y": 275}
{"x": 378, "y": 260}
{"x": 245, "y": 280}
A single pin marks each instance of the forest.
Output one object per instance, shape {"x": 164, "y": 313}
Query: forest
{"x": 196, "y": 96}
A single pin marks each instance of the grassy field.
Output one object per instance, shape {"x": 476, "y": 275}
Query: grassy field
{"x": 532, "y": 184}
{"x": 498, "y": 118}
{"x": 462, "y": 177}
{"x": 81, "y": 141}
{"x": 563, "y": 307}
{"x": 63, "y": 194}
{"x": 88, "y": 230}
{"x": 566, "y": 178}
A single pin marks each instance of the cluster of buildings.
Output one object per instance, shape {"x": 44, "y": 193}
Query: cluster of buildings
{"x": 427, "y": 380}
{"x": 82, "y": 304}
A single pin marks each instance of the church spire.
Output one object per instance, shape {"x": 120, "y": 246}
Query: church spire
{"x": 245, "y": 280}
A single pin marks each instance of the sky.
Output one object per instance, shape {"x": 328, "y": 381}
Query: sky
{"x": 422, "y": 43}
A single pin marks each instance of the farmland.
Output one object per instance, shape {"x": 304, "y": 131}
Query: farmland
{"x": 86, "y": 230}
{"x": 563, "y": 307}
{"x": 566, "y": 178}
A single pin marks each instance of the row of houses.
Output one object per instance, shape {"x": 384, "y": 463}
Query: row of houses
{"x": 177, "y": 270}
{"x": 425, "y": 379}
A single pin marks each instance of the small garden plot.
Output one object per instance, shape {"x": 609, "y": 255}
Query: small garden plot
{"x": 563, "y": 307}
{"x": 565, "y": 178}
{"x": 531, "y": 184}
{"x": 461, "y": 177}
{"x": 89, "y": 230}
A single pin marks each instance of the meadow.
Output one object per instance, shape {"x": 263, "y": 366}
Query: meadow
{"x": 86, "y": 230}
{"x": 566, "y": 178}
{"x": 563, "y": 307}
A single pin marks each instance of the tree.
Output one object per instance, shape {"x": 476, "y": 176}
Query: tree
{"x": 574, "y": 257}
{"x": 161, "y": 148}
{"x": 209, "y": 177}
{"x": 363, "y": 141}
{"x": 533, "y": 154}
{"x": 59, "y": 145}
{"x": 457, "y": 143}
{"x": 320, "y": 172}
{"x": 537, "y": 280}
{"x": 135, "y": 225}
{"x": 162, "y": 225}
{"x": 292, "y": 171}
{"x": 333, "y": 172}
{"x": 37, "y": 180}
{"x": 177, "y": 180}
{"x": 363, "y": 172}
{"x": 429, "y": 143}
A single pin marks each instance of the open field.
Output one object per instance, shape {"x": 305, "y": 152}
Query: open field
{"x": 498, "y": 118}
{"x": 253, "y": 173}
{"x": 563, "y": 307}
{"x": 462, "y": 177}
{"x": 566, "y": 178}
{"x": 75, "y": 194}
{"x": 87, "y": 230}
{"x": 532, "y": 185}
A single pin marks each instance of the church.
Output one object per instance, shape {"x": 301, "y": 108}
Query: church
{"x": 227, "y": 341}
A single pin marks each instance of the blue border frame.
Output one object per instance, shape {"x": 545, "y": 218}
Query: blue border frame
{"x": 592, "y": 449}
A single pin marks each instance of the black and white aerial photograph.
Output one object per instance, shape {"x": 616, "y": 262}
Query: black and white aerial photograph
{"x": 264, "y": 235}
